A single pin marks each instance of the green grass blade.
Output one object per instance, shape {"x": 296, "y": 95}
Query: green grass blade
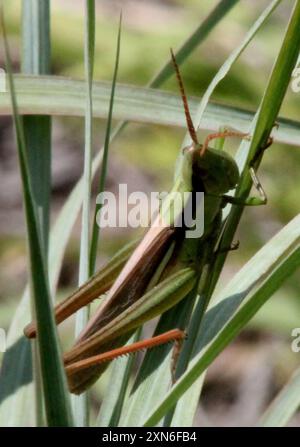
{"x": 36, "y": 59}
{"x": 81, "y": 407}
{"x": 285, "y": 404}
{"x": 95, "y": 232}
{"x": 253, "y": 285}
{"x": 62, "y": 96}
{"x": 54, "y": 382}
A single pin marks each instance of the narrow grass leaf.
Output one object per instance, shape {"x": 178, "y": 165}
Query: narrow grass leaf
{"x": 61, "y": 96}
{"x": 36, "y": 54}
{"x": 80, "y": 403}
{"x": 54, "y": 381}
{"x": 119, "y": 378}
{"x": 102, "y": 180}
{"x": 36, "y": 59}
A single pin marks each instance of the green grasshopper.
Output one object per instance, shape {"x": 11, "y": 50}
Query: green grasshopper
{"x": 146, "y": 279}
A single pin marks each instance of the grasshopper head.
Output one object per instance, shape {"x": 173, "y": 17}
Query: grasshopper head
{"x": 208, "y": 170}
{"x": 216, "y": 171}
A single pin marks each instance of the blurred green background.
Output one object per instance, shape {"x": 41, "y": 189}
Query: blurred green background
{"x": 144, "y": 156}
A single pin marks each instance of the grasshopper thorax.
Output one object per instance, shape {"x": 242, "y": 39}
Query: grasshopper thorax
{"x": 215, "y": 172}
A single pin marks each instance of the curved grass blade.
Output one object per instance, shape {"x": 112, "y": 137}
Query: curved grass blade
{"x": 62, "y": 96}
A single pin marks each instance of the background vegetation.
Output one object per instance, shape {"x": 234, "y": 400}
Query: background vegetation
{"x": 247, "y": 375}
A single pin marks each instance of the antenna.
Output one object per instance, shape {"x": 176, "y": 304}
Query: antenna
{"x": 188, "y": 117}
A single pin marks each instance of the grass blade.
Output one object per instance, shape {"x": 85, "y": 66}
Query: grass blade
{"x": 37, "y": 129}
{"x": 81, "y": 412}
{"x": 95, "y": 233}
{"x": 61, "y": 96}
{"x": 54, "y": 381}
{"x": 36, "y": 59}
